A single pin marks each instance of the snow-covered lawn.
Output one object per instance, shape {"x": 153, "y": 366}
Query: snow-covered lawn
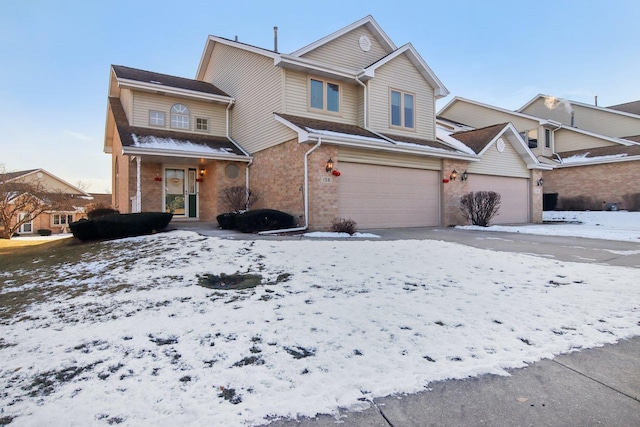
{"x": 127, "y": 335}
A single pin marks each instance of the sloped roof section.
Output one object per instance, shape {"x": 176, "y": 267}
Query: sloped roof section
{"x": 8, "y": 176}
{"x": 165, "y": 140}
{"x": 601, "y": 154}
{"x": 166, "y": 80}
{"x": 628, "y": 107}
{"x": 419, "y": 141}
{"x": 478, "y": 139}
{"x": 311, "y": 125}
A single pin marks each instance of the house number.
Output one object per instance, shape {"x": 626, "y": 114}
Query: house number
{"x": 326, "y": 179}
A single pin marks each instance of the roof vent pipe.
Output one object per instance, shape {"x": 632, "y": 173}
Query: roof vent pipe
{"x": 236, "y": 38}
{"x": 275, "y": 39}
{"x": 572, "y": 125}
{"x": 596, "y": 100}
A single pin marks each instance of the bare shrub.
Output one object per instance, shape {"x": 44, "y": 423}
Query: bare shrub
{"x": 480, "y": 207}
{"x": 238, "y": 198}
{"x": 579, "y": 203}
{"x": 342, "y": 225}
{"x": 632, "y": 201}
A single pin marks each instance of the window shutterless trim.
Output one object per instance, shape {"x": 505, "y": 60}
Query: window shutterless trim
{"x": 402, "y": 110}
{"x": 325, "y": 95}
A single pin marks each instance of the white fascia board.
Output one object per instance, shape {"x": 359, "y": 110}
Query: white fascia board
{"x": 288, "y": 61}
{"x": 540, "y": 121}
{"x": 373, "y": 144}
{"x": 141, "y": 151}
{"x": 303, "y": 135}
{"x": 55, "y": 178}
{"x": 511, "y": 133}
{"x": 368, "y": 21}
{"x": 135, "y": 84}
{"x": 534, "y": 99}
{"x": 439, "y": 89}
{"x": 598, "y": 162}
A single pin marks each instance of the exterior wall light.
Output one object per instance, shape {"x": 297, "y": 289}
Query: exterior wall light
{"x": 540, "y": 182}
{"x": 464, "y": 176}
{"x": 329, "y": 166}
{"x": 454, "y": 175}
{"x": 202, "y": 172}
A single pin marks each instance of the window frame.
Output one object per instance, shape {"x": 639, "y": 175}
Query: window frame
{"x": 160, "y": 114}
{"x": 68, "y": 218}
{"x": 179, "y": 116}
{"x": 403, "y": 118}
{"x": 326, "y": 83}
{"x": 197, "y": 124}
{"x": 547, "y": 138}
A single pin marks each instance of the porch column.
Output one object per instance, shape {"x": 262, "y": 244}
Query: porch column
{"x": 138, "y": 192}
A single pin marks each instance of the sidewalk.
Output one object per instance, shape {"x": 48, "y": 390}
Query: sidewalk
{"x": 599, "y": 386}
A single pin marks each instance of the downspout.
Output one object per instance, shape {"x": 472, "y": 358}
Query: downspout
{"x": 246, "y": 178}
{"x": 306, "y": 195}
{"x": 138, "y": 192}
{"x": 364, "y": 87}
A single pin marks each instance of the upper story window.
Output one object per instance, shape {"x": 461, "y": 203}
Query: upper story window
{"x": 179, "y": 117}
{"x": 547, "y": 138}
{"x": 402, "y": 109}
{"x": 202, "y": 124}
{"x": 324, "y": 95}
{"x": 156, "y": 118}
{"x": 530, "y": 137}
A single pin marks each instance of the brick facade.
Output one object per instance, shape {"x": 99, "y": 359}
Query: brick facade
{"x": 606, "y": 183}
{"x": 452, "y": 192}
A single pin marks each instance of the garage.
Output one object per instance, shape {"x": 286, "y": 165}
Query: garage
{"x": 514, "y": 193}
{"x": 378, "y": 196}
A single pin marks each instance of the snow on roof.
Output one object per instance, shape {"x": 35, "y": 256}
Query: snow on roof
{"x": 583, "y": 158}
{"x": 444, "y": 135}
{"x": 343, "y": 135}
{"x": 171, "y": 144}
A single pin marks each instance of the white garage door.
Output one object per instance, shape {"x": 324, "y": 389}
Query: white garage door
{"x": 386, "y": 197}
{"x": 514, "y": 194}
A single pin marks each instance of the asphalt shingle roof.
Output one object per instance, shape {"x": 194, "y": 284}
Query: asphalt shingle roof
{"x": 477, "y": 139}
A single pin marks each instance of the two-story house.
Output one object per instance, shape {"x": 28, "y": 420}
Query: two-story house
{"x": 342, "y": 128}
{"x": 593, "y": 151}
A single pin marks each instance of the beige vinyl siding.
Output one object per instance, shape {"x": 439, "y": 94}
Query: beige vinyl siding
{"x": 479, "y": 117}
{"x": 345, "y": 51}
{"x": 590, "y": 119}
{"x": 143, "y": 102}
{"x": 126, "y": 98}
{"x": 297, "y": 99}
{"x": 352, "y": 155}
{"x": 256, "y": 84}
{"x": 567, "y": 140}
{"x": 505, "y": 163}
{"x": 400, "y": 74}
{"x": 48, "y": 182}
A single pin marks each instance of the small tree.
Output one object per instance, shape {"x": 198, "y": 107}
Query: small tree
{"x": 28, "y": 198}
{"x": 480, "y": 207}
{"x": 342, "y": 225}
{"x": 238, "y": 198}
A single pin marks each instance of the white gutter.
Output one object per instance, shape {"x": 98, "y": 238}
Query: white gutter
{"x": 138, "y": 191}
{"x": 306, "y": 195}
{"x": 155, "y": 87}
{"x": 134, "y": 151}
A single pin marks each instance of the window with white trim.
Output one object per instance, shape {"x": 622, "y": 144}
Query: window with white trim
{"x": 156, "y": 118}
{"x": 324, "y": 95}
{"x": 62, "y": 219}
{"x": 202, "y": 124}
{"x": 547, "y": 138}
{"x": 179, "y": 116}
{"x": 402, "y": 109}
{"x": 27, "y": 226}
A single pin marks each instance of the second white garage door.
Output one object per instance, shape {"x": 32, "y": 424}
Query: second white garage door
{"x": 514, "y": 194}
{"x": 387, "y": 197}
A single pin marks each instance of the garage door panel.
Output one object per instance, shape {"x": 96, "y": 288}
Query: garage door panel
{"x": 383, "y": 197}
{"x": 514, "y": 196}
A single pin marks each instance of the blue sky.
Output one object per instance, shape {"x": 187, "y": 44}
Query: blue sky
{"x": 55, "y": 57}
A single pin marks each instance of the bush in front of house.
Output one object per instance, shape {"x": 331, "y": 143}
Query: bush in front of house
{"x": 44, "y": 232}
{"x": 579, "y": 203}
{"x": 227, "y": 221}
{"x": 120, "y": 225}
{"x": 632, "y": 201}
{"x": 263, "y": 220}
{"x": 239, "y": 198}
{"x": 480, "y": 207}
{"x": 98, "y": 212}
{"x": 342, "y": 225}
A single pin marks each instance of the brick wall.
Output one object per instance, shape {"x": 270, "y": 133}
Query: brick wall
{"x": 536, "y": 192}
{"x": 150, "y": 189}
{"x": 606, "y": 183}
{"x": 452, "y": 192}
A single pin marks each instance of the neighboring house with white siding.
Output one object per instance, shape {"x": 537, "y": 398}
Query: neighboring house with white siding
{"x": 594, "y": 151}
{"x": 342, "y": 128}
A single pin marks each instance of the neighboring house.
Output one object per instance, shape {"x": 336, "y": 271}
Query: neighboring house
{"x": 342, "y": 128}
{"x": 58, "y": 220}
{"x": 594, "y": 151}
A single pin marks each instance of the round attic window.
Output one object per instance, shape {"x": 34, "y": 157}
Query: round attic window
{"x": 500, "y": 145}
{"x": 365, "y": 43}
{"x": 39, "y": 175}
{"x": 232, "y": 171}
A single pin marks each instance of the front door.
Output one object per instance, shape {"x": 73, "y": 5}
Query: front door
{"x": 181, "y": 192}
{"x": 27, "y": 227}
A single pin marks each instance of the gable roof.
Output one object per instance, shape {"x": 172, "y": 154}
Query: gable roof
{"x": 150, "y": 141}
{"x": 367, "y": 21}
{"x": 149, "y": 80}
{"x": 8, "y": 176}
{"x": 610, "y": 154}
{"x": 621, "y": 110}
{"x": 19, "y": 175}
{"x": 439, "y": 89}
{"x": 628, "y": 107}
{"x": 478, "y": 139}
